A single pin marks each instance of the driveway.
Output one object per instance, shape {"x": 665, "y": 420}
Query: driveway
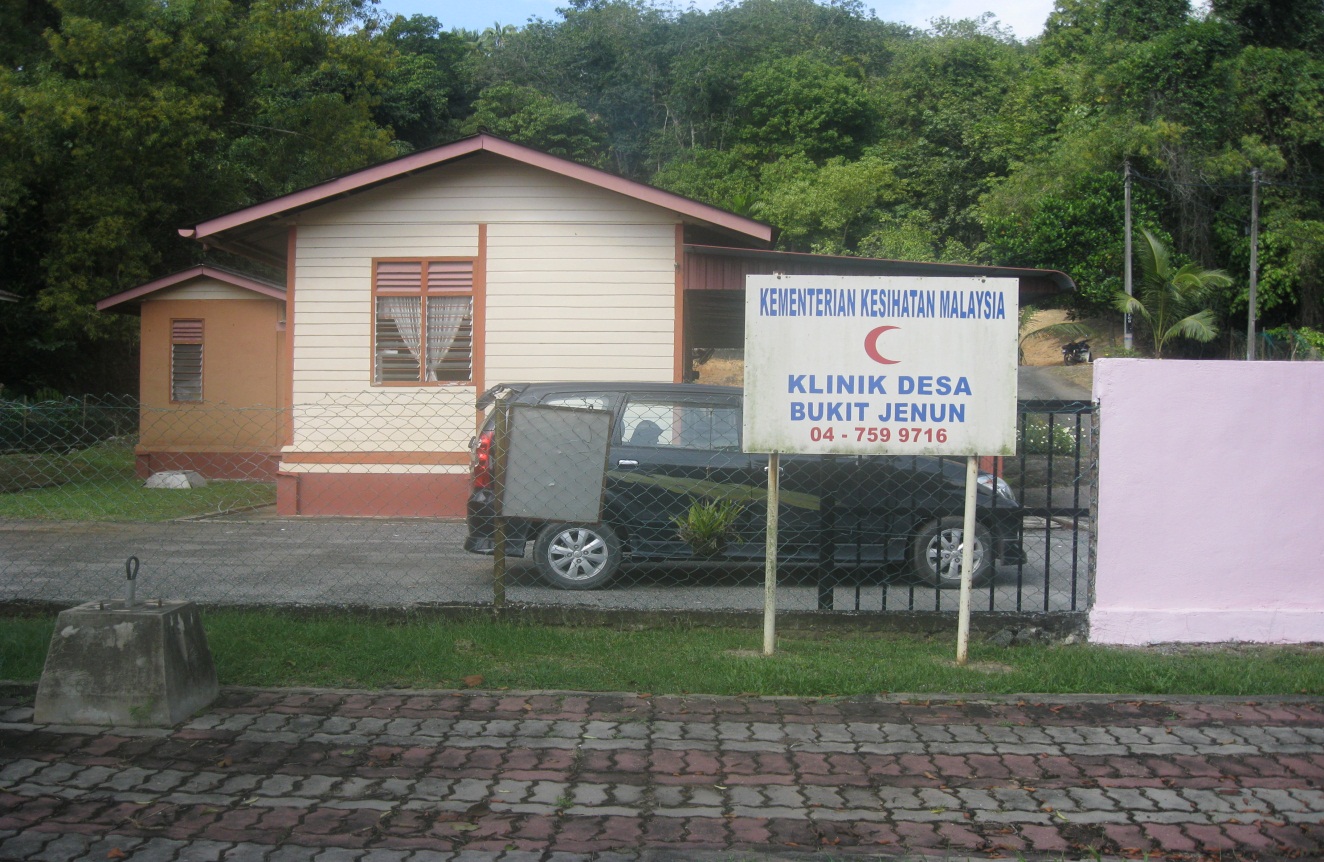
{"x": 1046, "y": 383}
{"x": 397, "y": 563}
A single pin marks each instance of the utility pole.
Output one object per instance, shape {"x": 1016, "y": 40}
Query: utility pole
{"x": 1254, "y": 260}
{"x": 1127, "y": 337}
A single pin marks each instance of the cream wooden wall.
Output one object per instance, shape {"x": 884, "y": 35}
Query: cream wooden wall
{"x": 201, "y": 288}
{"x": 580, "y": 285}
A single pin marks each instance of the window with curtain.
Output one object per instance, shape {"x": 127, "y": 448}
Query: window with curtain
{"x": 423, "y": 332}
{"x": 186, "y": 360}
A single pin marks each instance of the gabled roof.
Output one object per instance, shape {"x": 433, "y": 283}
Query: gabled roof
{"x": 482, "y": 143}
{"x": 225, "y": 276}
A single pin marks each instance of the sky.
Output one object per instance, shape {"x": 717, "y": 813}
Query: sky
{"x": 1023, "y": 17}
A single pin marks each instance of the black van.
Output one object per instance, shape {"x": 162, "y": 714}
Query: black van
{"x": 675, "y": 444}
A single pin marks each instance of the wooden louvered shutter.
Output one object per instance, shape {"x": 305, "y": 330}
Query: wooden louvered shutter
{"x": 423, "y": 321}
{"x": 398, "y": 321}
{"x": 450, "y": 321}
{"x": 186, "y": 360}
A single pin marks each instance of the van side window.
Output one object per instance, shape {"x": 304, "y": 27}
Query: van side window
{"x": 679, "y": 424}
{"x": 578, "y": 400}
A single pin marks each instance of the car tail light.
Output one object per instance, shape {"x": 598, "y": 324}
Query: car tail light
{"x": 482, "y": 461}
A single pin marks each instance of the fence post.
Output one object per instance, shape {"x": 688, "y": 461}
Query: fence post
{"x": 499, "y": 435}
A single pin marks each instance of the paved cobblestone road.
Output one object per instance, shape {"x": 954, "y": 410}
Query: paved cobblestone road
{"x": 281, "y": 776}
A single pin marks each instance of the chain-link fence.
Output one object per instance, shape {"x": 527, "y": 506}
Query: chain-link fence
{"x": 682, "y": 523}
{"x": 1280, "y": 344}
{"x": 367, "y": 507}
{"x": 193, "y": 491}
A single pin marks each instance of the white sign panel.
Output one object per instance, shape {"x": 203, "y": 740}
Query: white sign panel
{"x": 880, "y": 365}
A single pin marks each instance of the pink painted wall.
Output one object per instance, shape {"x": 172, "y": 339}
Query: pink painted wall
{"x": 1211, "y": 502}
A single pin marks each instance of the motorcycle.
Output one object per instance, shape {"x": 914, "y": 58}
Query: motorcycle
{"x": 1076, "y": 352}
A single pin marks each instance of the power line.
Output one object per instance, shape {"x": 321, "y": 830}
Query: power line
{"x": 1160, "y": 182}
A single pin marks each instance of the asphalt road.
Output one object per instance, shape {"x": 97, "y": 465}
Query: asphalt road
{"x": 322, "y": 562}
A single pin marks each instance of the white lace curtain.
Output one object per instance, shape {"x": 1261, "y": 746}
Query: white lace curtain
{"x": 406, "y": 312}
{"x": 446, "y": 315}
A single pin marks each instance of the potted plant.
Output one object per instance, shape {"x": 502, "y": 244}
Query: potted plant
{"x": 709, "y": 525}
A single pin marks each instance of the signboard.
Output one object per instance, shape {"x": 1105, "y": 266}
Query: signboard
{"x": 556, "y": 463}
{"x": 880, "y": 365}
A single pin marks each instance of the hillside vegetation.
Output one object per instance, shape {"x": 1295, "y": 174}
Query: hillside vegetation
{"x": 123, "y": 120}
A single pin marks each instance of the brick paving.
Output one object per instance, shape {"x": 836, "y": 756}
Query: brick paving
{"x": 297, "y": 776}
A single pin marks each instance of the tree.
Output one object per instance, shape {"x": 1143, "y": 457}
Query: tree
{"x": 806, "y": 104}
{"x": 945, "y": 106}
{"x": 527, "y": 116}
{"x": 131, "y": 118}
{"x": 1138, "y": 20}
{"x": 822, "y": 209}
{"x": 1075, "y": 227}
{"x": 1275, "y": 23}
{"x": 425, "y": 92}
{"x": 1169, "y": 298}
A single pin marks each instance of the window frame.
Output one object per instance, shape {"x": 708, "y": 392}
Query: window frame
{"x": 183, "y": 338}
{"x": 422, "y": 292}
{"x": 673, "y": 429}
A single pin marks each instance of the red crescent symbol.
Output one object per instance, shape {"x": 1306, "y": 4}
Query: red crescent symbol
{"x": 871, "y": 345}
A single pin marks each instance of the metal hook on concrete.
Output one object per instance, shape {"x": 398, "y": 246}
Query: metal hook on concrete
{"x": 131, "y": 572}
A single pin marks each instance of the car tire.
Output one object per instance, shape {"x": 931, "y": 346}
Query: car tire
{"x": 936, "y": 554}
{"x": 577, "y": 556}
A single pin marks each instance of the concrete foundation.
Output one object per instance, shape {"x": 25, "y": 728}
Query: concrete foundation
{"x": 110, "y": 665}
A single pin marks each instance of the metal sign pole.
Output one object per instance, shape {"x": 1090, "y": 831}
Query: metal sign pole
{"x": 770, "y": 554}
{"x": 1127, "y": 337}
{"x": 967, "y": 559}
{"x": 1254, "y": 258}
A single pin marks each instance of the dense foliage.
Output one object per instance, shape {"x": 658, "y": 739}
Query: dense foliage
{"x": 122, "y": 120}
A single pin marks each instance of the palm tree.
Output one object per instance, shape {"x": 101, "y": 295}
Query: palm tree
{"x": 1170, "y": 299}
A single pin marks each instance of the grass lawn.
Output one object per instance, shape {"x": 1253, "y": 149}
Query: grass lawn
{"x": 273, "y": 649}
{"x": 99, "y": 484}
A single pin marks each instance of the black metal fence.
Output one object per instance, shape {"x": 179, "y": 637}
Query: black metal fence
{"x": 683, "y": 527}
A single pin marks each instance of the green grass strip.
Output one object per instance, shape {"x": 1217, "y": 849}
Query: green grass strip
{"x": 276, "y": 649}
{"x": 100, "y": 484}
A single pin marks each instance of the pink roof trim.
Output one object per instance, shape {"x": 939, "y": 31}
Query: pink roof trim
{"x": 480, "y": 143}
{"x": 221, "y": 275}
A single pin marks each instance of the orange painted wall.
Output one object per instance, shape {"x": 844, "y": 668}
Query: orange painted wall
{"x": 392, "y": 495}
{"x": 242, "y": 363}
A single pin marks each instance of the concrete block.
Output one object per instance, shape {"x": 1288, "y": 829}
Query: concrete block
{"x": 148, "y": 665}
{"x": 176, "y": 479}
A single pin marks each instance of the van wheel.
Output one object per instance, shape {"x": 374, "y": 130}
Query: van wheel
{"x": 936, "y": 555}
{"x": 577, "y": 556}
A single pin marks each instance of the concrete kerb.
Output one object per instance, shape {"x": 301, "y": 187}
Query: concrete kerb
{"x": 22, "y": 689}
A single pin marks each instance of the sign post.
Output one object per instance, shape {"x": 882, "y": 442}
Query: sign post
{"x": 853, "y": 365}
{"x": 967, "y": 561}
{"x": 770, "y": 557}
